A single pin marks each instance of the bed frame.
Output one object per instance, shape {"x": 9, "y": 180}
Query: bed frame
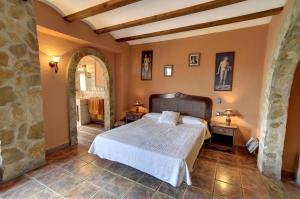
{"x": 195, "y": 106}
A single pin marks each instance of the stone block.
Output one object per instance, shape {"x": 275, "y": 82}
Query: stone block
{"x": 11, "y": 155}
{"x": 6, "y": 136}
{"x": 7, "y": 95}
{"x": 36, "y": 131}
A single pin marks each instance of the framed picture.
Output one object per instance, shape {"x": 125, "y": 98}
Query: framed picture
{"x": 168, "y": 70}
{"x": 194, "y": 59}
{"x": 224, "y": 71}
{"x": 146, "y": 65}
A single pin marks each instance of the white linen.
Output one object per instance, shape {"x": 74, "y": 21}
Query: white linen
{"x": 161, "y": 150}
{"x": 169, "y": 117}
{"x": 153, "y": 115}
{"x": 191, "y": 120}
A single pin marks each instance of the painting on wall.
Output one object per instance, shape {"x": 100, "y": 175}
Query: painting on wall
{"x": 168, "y": 70}
{"x": 146, "y": 66}
{"x": 194, "y": 59}
{"x": 224, "y": 71}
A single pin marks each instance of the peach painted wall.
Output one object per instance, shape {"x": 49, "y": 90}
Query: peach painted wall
{"x": 51, "y": 22}
{"x": 249, "y": 47}
{"x": 292, "y": 137}
{"x": 54, "y": 86}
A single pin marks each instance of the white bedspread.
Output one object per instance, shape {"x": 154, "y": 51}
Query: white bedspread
{"x": 161, "y": 150}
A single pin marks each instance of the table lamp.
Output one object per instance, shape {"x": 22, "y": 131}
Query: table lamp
{"x": 137, "y": 105}
{"x": 228, "y": 113}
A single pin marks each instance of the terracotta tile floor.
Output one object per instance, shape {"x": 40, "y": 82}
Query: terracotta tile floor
{"x": 73, "y": 173}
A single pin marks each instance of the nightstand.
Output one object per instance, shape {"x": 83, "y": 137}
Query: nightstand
{"x": 223, "y": 136}
{"x": 132, "y": 116}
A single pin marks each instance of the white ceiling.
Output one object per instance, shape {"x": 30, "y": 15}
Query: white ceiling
{"x": 147, "y": 8}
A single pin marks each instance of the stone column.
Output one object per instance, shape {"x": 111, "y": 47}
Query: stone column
{"x": 280, "y": 76}
{"x": 21, "y": 118}
{"x": 298, "y": 172}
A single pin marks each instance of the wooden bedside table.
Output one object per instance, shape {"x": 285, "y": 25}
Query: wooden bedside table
{"x": 223, "y": 136}
{"x": 132, "y": 116}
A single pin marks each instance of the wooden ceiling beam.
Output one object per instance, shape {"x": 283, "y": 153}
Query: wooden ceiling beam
{"x": 176, "y": 13}
{"x": 247, "y": 17}
{"x": 103, "y": 7}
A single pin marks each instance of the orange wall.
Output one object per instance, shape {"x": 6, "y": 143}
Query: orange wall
{"x": 54, "y": 86}
{"x": 249, "y": 47}
{"x": 292, "y": 137}
{"x": 51, "y": 22}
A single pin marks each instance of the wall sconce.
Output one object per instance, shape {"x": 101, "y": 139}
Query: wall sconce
{"x": 54, "y": 63}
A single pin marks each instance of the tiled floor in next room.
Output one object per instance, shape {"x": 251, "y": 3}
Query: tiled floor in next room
{"x": 72, "y": 173}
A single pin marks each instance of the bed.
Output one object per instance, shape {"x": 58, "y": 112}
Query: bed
{"x": 164, "y": 151}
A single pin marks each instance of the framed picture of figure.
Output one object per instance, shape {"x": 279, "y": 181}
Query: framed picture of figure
{"x": 194, "y": 59}
{"x": 146, "y": 65}
{"x": 224, "y": 71}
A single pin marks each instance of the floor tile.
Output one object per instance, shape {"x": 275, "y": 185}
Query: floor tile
{"x": 175, "y": 192}
{"x": 41, "y": 171}
{"x": 139, "y": 192}
{"x": 229, "y": 175}
{"x": 87, "y": 171}
{"x": 45, "y": 194}
{"x": 13, "y": 184}
{"x": 249, "y": 194}
{"x": 88, "y": 158}
{"x": 158, "y": 195}
{"x": 205, "y": 166}
{"x": 101, "y": 177}
{"x": 203, "y": 181}
{"x": 293, "y": 190}
{"x": 103, "y": 163}
{"x": 52, "y": 176}
{"x": 73, "y": 164}
{"x": 101, "y": 194}
{"x": 195, "y": 193}
{"x": 82, "y": 191}
{"x": 118, "y": 186}
{"x": 227, "y": 190}
{"x": 23, "y": 191}
{"x": 132, "y": 174}
{"x": 251, "y": 180}
{"x": 150, "y": 181}
{"x": 64, "y": 185}
{"x": 117, "y": 168}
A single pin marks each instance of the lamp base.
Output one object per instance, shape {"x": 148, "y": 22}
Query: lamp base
{"x": 228, "y": 121}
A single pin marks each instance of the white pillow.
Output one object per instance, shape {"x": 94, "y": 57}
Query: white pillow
{"x": 169, "y": 117}
{"x": 192, "y": 120}
{"x": 153, "y": 115}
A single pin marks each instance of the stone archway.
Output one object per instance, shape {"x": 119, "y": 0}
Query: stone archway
{"x": 280, "y": 77}
{"x": 72, "y": 66}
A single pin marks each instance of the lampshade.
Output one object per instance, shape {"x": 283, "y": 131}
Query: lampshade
{"x": 56, "y": 59}
{"x": 138, "y": 103}
{"x": 228, "y": 112}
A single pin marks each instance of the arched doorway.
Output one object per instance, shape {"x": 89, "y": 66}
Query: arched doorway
{"x": 72, "y": 67}
{"x": 280, "y": 77}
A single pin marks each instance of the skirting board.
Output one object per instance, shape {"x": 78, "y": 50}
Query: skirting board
{"x": 57, "y": 148}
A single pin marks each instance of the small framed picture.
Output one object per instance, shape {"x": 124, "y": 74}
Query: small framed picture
{"x": 194, "y": 59}
{"x": 168, "y": 70}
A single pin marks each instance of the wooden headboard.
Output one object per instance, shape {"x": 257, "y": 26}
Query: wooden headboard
{"x": 195, "y": 106}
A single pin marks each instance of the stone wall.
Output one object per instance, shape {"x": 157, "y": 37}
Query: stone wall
{"x": 21, "y": 118}
{"x": 108, "y": 104}
{"x": 280, "y": 76}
